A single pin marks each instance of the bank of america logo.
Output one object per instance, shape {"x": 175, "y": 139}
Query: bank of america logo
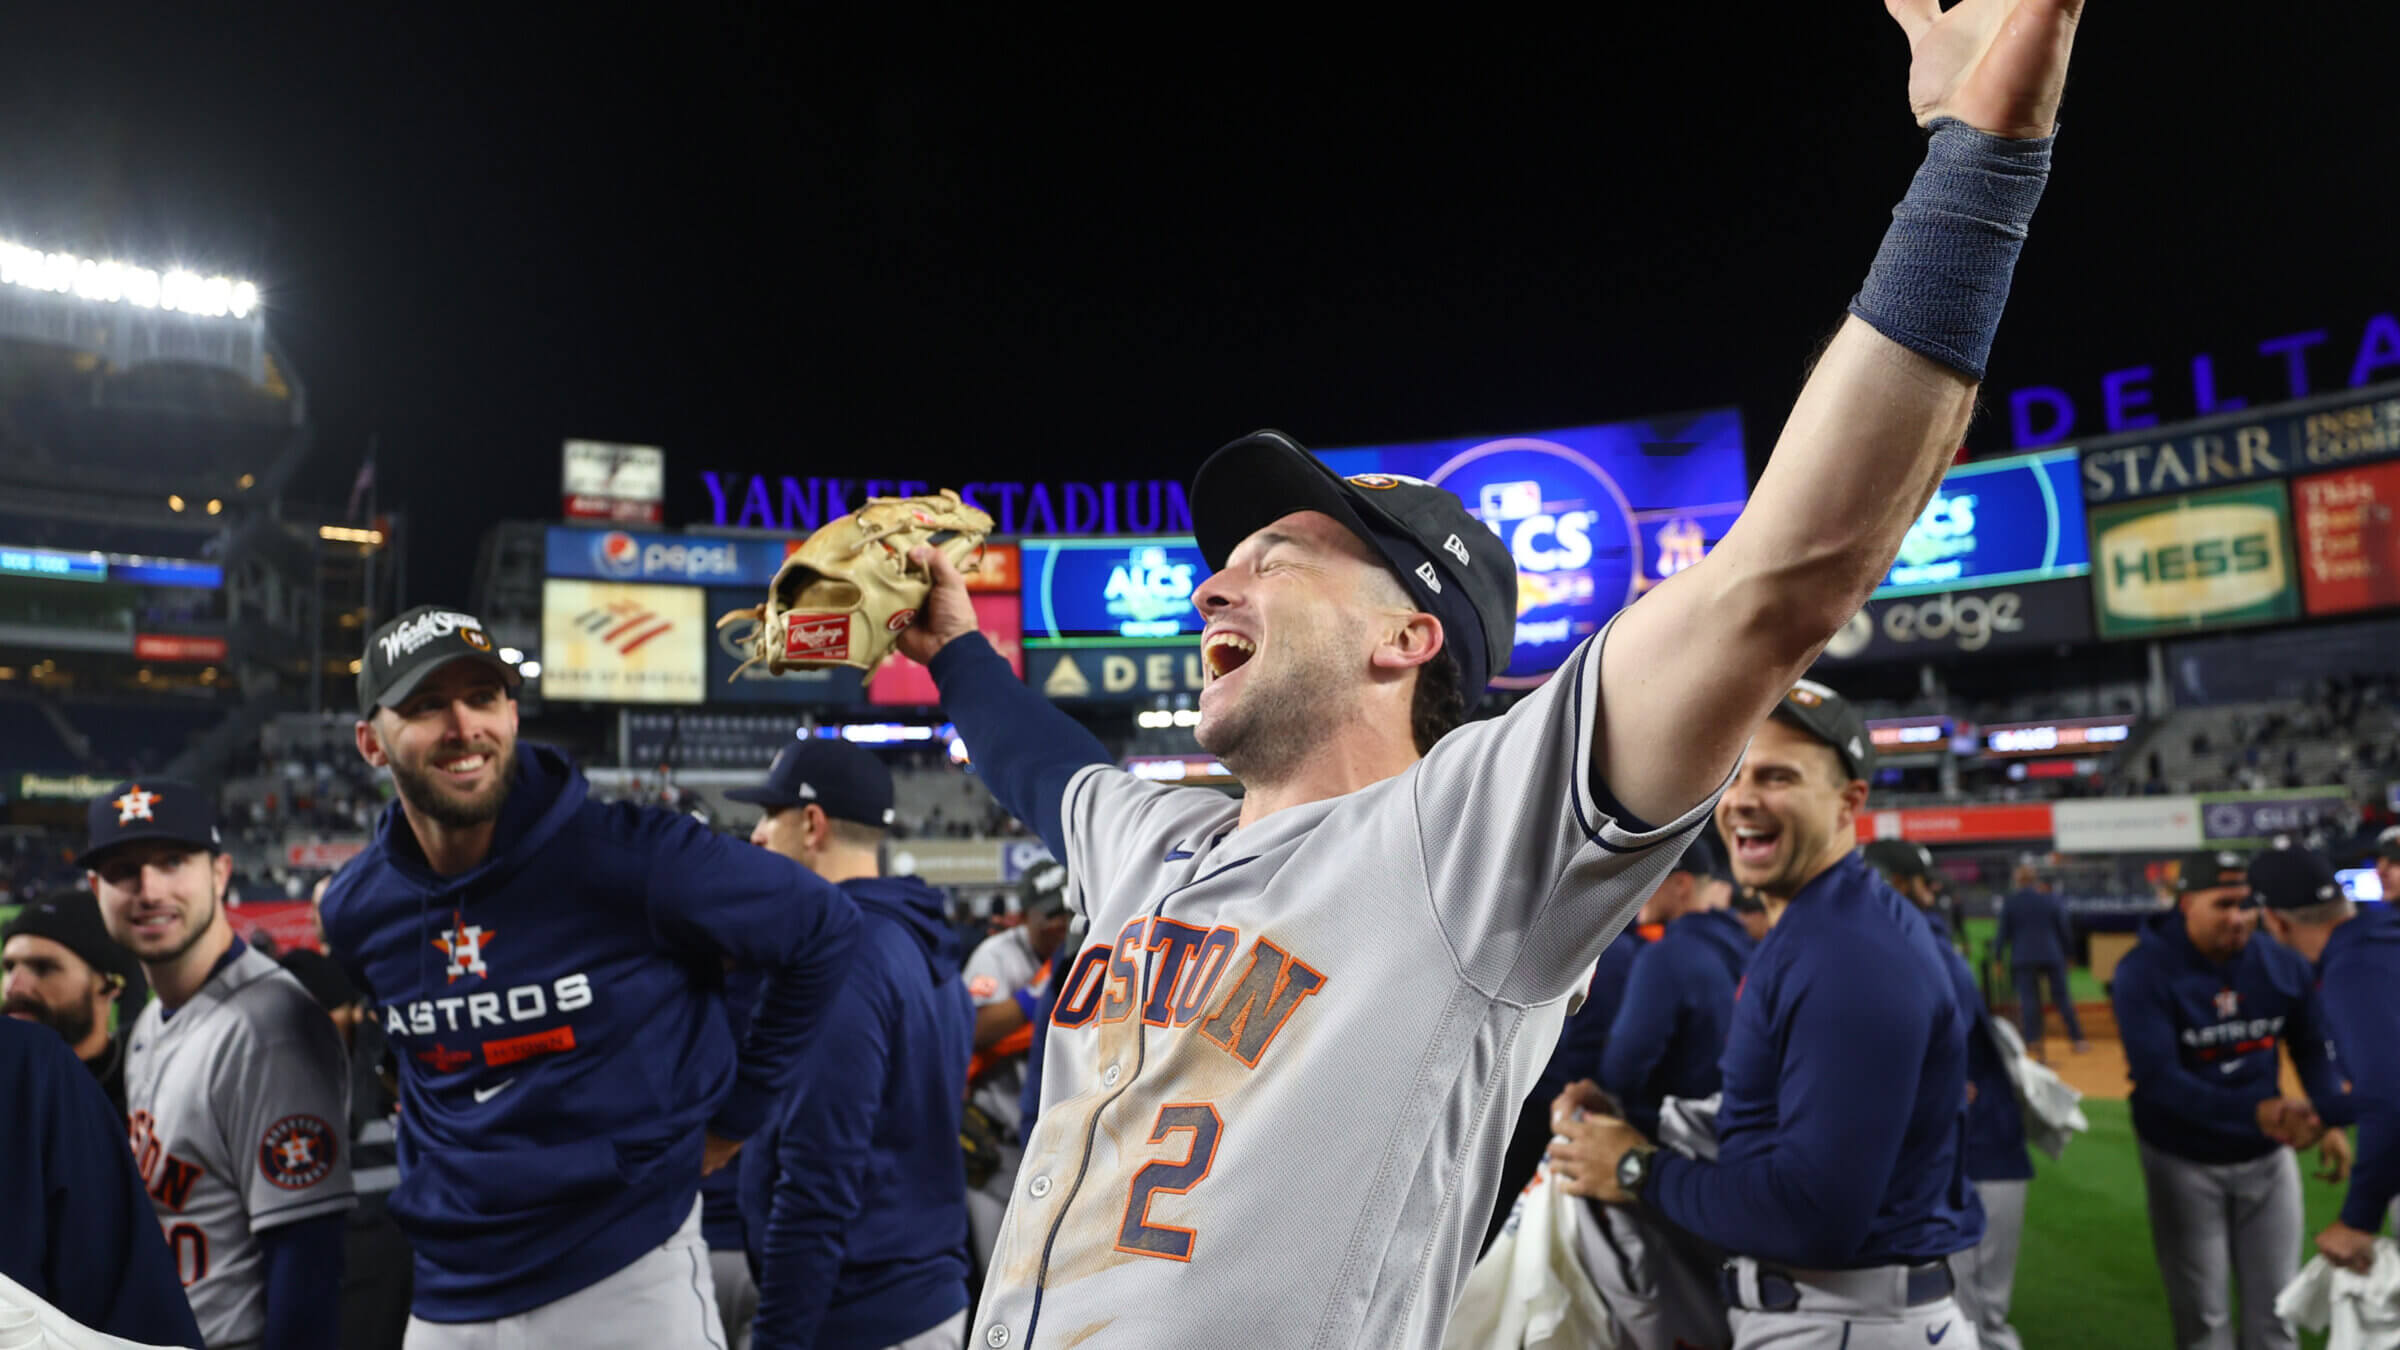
{"x": 623, "y": 624}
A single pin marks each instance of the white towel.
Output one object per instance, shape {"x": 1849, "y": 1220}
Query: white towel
{"x": 30, "y": 1322}
{"x": 2052, "y": 1113}
{"x": 2357, "y": 1312}
{"x": 1530, "y": 1292}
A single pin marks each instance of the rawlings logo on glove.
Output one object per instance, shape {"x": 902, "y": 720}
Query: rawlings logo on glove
{"x": 845, "y": 595}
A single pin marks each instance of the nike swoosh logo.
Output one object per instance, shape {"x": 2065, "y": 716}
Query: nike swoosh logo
{"x": 486, "y": 1094}
{"x": 1178, "y": 854}
{"x": 2228, "y": 1068}
{"x": 1935, "y": 1337}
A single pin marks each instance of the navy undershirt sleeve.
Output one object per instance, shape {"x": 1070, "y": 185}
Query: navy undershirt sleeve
{"x": 1024, "y": 748}
{"x": 304, "y": 1283}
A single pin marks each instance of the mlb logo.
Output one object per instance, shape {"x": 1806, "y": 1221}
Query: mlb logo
{"x": 1511, "y": 501}
{"x": 816, "y": 637}
{"x": 2229, "y": 1003}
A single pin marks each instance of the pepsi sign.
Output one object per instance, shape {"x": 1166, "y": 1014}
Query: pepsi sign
{"x": 1592, "y": 516}
{"x": 631, "y": 555}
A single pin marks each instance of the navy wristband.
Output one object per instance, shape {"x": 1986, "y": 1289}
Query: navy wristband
{"x": 1941, "y": 278}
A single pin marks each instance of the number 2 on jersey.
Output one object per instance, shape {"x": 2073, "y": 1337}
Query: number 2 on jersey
{"x": 1136, "y": 1233}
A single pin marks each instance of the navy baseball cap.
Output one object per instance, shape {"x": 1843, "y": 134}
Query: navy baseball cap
{"x": 153, "y": 808}
{"x": 402, "y": 653}
{"x": 2293, "y": 878}
{"x": 1703, "y": 860}
{"x": 1451, "y": 564}
{"x": 2387, "y": 844}
{"x": 843, "y": 779}
{"x": 2208, "y": 869}
{"x": 1826, "y": 715}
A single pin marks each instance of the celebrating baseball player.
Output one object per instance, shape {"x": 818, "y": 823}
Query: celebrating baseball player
{"x": 1837, "y": 1184}
{"x": 236, "y": 1086}
{"x": 2201, "y": 1008}
{"x": 1281, "y": 1073}
{"x": 550, "y": 971}
{"x": 1006, "y": 976}
{"x": 59, "y": 966}
{"x": 2357, "y": 959}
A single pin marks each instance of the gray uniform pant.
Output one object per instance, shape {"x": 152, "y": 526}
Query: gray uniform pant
{"x": 737, "y": 1295}
{"x": 1987, "y": 1272}
{"x": 1659, "y": 1283}
{"x": 1847, "y": 1310}
{"x": 665, "y": 1299}
{"x": 2208, "y": 1221}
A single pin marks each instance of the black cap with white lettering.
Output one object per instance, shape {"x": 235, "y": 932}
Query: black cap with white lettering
{"x": 2293, "y": 878}
{"x": 1451, "y": 564}
{"x": 403, "y": 652}
{"x": 2207, "y": 869}
{"x": 1826, "y": 715}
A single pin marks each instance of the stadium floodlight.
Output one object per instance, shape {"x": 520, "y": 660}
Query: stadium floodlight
{"x": 106, "y": 281}
{"x": 511, "y": 655}
{"x": 531, "y": 670}
{"x": 346, "y": 534}
{"x": 174, "y": 503}
{"x": 215, "y": 506}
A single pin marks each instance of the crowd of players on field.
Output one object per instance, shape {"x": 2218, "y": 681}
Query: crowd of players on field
{"x": 878, "y": 1180}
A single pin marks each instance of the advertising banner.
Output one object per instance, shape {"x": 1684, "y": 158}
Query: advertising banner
{"x": 2226, "y": 817}
{"x": 2126, "y": 825}
{"x": 2209, "y": 560}
{"x": 67, "y": 787}
{"x": 606, "y": 642}
{"x": 323, "y": 855}
{"x": 1951, "y": 624}
{"x": 2060, "y": 736}
{"x": 1968, "y": 824}
{"x": 688, "y": 559}
{"x": 2349, "y": 542}
{"x": 900, "y": 682}
{"x": 602, "y": 480}
{"x": 729, "y": 647}
{"x": 2322, "y": 433}
{"x": 290, "y": 923}
{"x": 1114, "y": 674}
{"x": 174, "y": 647}
{"x": 1593, "y": 516}
{"x": 949, "y": 862}
{"x": 2003, "y": 520}
{"x": 1112, "y": 591}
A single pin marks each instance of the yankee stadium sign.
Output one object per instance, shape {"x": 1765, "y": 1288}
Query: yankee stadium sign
{"x": 1138, "y": 506}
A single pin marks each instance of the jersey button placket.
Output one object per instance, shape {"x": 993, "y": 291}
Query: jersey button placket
{"x": 996, "y": 1336}
{"x": 1040, "y": 1187}
{"x": 1114, "y": 1073}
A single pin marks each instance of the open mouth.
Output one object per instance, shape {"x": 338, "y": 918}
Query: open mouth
{"x": 1754, "y": 846}
{"x": 1225, "y": 653}
{"x": 155, "y": 925}
{"x": 464, "y": 769}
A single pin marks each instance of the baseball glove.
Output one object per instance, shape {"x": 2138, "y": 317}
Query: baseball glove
{"x": 843, "y": 596}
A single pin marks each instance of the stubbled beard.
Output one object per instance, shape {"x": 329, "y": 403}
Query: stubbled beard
{"x": 424, "y": 796}
{"x": 72, "y": 1023}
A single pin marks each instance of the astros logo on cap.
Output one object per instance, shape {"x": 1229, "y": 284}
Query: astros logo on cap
{"x": 135, "y": 805}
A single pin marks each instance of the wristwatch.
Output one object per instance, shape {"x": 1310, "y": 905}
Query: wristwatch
{"x": 1633, "y": 1170}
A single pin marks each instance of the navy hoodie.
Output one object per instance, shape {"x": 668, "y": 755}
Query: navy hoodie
{"x": 559, "y": 1019}
{"x": 1584, "y": 1037}
{"x": 855, "y": 1194}
{"x": 80, "y": 1232}
{"x": 1671, "y": 1024}
{"x": 2200, "y": 1040}
{"x": 2033, "y": 927}
{"x": 2356, "y": 974}
{"x": 1995, "y": 1139}
{"x": 1845, "y": 1082}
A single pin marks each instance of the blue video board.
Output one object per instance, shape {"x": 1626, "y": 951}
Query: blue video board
{"x": 1996, "y": 523}
{"x": 1126, "y": 590}
{"x": 1593, "y": 515}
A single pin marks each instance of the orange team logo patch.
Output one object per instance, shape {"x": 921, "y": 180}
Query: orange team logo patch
{"x": 463, "y": 944}
{"x": 982, "y": 987}
{"x": 135, "y": 804}
{"x": 297, "y": 1152}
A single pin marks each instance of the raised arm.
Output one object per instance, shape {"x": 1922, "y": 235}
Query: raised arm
{"x": 1876, "y": 424}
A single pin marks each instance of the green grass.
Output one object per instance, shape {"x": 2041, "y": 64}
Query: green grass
{"x": 2080, "y": 984}
{"x": 2085, "y": 1275}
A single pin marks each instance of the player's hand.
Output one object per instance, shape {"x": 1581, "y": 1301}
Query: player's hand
{"x": 947, "y": 612}
{"x": 716, "y": 1152}
{"x": 1584, "y": 1152}
{"x": 1583, "y": 1097}
{"x": 2347, "y": 1247}
{"x": 2333, "y": 1157}
{"x": 2289, "y": 1120}
{"x": 1996, "y": 65}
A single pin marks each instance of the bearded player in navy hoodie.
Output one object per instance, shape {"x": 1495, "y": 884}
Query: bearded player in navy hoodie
{"x": 550, "y": 971}
{"x": 855, "y": 1194}
{"x": 2201, "y": 1006}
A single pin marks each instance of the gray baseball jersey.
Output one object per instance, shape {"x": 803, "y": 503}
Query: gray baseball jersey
{"x": 1282, "y": 1072}
{"x": 237, "y": 1107}
{"x": 998, "y": 967}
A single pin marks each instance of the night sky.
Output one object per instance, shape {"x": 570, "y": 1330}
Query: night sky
{"x": 965, "y": 248}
